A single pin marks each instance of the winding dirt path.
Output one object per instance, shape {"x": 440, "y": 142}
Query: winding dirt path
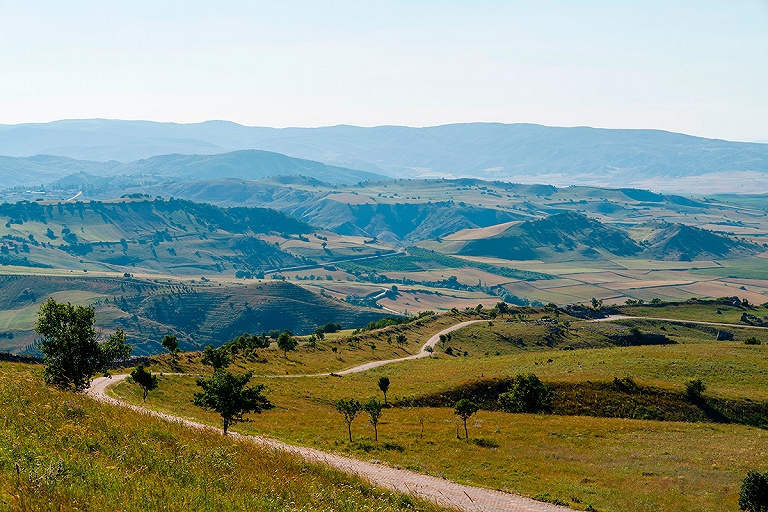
{"x": 446, "y": 493}
{"x": 611, "y": 318}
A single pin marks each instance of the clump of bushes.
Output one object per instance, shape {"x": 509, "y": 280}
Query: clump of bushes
{"x": 694, "y": 389}
{"x": 526, "y": 394}
{"x": 753, "y": 496}
{"x": 752, "y": 341}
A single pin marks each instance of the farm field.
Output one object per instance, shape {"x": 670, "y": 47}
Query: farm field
{"x": 579, "y": 460}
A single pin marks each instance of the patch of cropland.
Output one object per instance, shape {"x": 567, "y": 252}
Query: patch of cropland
{"x": 83, "y": 454}
{"x": 198, "y": 313}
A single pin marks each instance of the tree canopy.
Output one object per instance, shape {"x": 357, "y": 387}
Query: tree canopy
{"x": 228, "y": 395}
{"x": 70, "y": 346}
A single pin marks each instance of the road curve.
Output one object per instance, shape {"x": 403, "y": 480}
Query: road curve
{"x": 611, "y": 318}
{"x": 431, "y": 342}
{"x": 446, "y": 493}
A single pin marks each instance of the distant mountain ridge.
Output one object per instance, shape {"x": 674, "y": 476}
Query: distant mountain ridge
{"x": 245, "y": 164}
{"x": 487, "y": 150}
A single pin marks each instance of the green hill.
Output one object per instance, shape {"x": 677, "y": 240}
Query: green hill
{"x": 199, "y": 313}
{"x": 168, "y": 236}
{"x": 686, "y": 243}
{"x": 567, "y": 233}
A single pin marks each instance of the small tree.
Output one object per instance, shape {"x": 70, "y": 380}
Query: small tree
{"x": 228, "y": 395}
{"x": 215, "y": 357}
{"x": 428, "y": 349}
{"x": 753, "y": 496}
{"x": 465, "y": 408}
{"x": 694, "y": 389}
{"x": 171, "y": 344}
{"x": 502, "y": 308}
{"x": 401, "y": 339}
{"x": 349, "y": 407}
{"x": 70, "y": 346}
{"x": 384, "y": 387}
{"x": 286, "y": 342}
{"x": 145, "y": 379}
{"x": 373, "y": 407}
{"x": 527, "y": 394}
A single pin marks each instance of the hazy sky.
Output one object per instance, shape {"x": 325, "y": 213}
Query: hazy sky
{"x": 698, "y": 67}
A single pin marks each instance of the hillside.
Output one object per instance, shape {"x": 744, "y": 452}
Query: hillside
{"x": 248, "y": 164}
{"x": 686, "y": 243}
{"x": 501, "y": 151}
{"x": 82, "y": 454}
{"x": 175, "y": 236}
{"x": 198, "y": 313}
{"x": 568, "y": 233}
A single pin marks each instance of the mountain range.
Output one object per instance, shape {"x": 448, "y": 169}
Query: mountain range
{"x": 517, "y": 152}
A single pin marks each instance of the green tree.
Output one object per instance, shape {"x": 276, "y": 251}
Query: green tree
{"x": 753, "y": 496}
{"x": 228, "y": 395}
{"x": 465, "y": 408}
{"x": 384, "y": 387}
{"x": 527, "y": 394}
{"x": 215, "y": 357}
{"x": 401, "y": 339}
{"x": 349, "y": 407}
{"x": 373, "y": 407}
{"x": 502, "y": 308}
{"x": 286, "y": 342}
{"x": 71, "y": 350}
{"x": 171, "y": 344}
{"x": 145, "y": 379}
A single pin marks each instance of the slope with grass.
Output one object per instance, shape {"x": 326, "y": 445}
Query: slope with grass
{"x": 64, "y": 451}
{"x": 581, "y": 461}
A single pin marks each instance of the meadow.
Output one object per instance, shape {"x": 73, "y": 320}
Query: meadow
{"x": 585, "y": 462}
{"x": 64, "y": 451}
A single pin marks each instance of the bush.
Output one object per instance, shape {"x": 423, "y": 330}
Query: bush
{"x": 694, "y": 389}
{"x": 527, "y": 394}
{"x": 752, "y": 341}
{"x": 753, "y": 496}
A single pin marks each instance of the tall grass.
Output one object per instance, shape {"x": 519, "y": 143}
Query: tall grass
{"x": 62, "y": 451}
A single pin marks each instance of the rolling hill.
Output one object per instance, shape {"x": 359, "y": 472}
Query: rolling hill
{"x": 528, "y": 152}
{"x": 246, "y": 164}
{"x": 566, "y": 233}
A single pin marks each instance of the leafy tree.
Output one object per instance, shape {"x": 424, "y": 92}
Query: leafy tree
{"x": 384, "y": 387}
{"x": 171, "y": 344}
{"x": 70, "y": 347}
{"x": 145, "y": 379}
{"x": 373, "y": 407}
{"x": 286, "y": 342}
{"x": 502, "y": 308}
{"x": 465, "y": 408}
{"x": 349, "y": 407}
{"x": 228, "y": 395}
{"x": 753, "y": 496}
{"x": 215, "y": 357}
{"x": 401, "y": 339}
{"x": 527, "y": 394}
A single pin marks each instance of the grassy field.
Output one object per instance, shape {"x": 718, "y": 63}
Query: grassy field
{"x": 62, "y": 451}
{"x": 578, "y": 460}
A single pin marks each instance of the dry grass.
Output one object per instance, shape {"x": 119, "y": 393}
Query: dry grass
{"x": 61, "y": 451}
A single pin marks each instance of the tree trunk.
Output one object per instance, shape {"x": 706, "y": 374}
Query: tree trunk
{"x": 385, "y": 398}
{"x": 349, "y": 428}
{"x": 226, "y": 425}
{"x": 466, "y": 434}
{"x": 375, "y": 432}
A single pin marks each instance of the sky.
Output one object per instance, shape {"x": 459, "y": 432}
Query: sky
{"x": 698, "y": 67}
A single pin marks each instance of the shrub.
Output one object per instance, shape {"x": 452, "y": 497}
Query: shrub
{"x": 694, "y": 389}
{"x": 753, "y": 496}
{"x": 752, "y": 341}
{"x": 527, "y": 394}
